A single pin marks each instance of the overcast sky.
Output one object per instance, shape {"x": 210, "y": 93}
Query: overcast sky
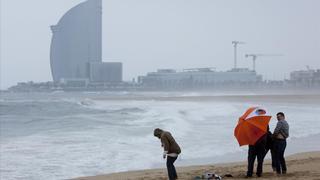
{"x": 150, "y": 34}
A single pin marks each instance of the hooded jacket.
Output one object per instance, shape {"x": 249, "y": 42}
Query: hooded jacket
{"x": 168, "y": 142}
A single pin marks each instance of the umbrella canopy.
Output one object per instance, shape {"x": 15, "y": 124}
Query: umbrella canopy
{"x": 252, "y": 125}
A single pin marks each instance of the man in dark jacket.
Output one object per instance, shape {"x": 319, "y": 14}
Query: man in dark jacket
{"x": 258, "y": 150}
{"x": 171, "y": 151}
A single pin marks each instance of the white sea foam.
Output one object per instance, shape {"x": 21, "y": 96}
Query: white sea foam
{"x": 73, "y": 137}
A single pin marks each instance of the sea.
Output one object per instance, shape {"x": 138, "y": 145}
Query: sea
{"x": 63, "y": 135}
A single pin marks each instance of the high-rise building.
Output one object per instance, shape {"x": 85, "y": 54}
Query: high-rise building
{"x": 76, "y": 41}
{"x": 105, "y": 72}
{"x": 77, "y": 44}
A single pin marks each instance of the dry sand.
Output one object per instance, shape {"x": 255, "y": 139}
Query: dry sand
{"x": 302, "y": 166}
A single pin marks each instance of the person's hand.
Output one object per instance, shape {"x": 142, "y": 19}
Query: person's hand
{"x": 165, "y": 154}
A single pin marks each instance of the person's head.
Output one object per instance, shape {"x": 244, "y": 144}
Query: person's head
{"x": 261, "y": 112}
{"x": 157, "y": 132}
{"x": 280, "y": 116}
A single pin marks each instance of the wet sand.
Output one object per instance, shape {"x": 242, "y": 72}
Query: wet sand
{"x": 302, "y": 166}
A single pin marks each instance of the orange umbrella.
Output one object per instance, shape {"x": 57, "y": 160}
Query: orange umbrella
{"x": 252, "y": 125}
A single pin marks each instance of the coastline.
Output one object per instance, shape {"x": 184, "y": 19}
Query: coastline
{"x": 300, "y": 166}
{"x": 301, "y": 153}
{"x": 92, "y": 154}
{"x": 299, "y": 148}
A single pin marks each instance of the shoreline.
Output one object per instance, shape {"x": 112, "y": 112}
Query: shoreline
{"x": 235, "y": 162}
{"x": 92, "y": 154}
{"x": 300, "y": 166}
{"x": 303, "y": 148}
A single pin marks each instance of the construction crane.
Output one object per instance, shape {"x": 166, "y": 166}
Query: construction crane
{"x": 235, "y": 45}
{"x": 254, "y": 58}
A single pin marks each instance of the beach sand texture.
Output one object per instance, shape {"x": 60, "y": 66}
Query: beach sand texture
{"x": 302, "y": 166}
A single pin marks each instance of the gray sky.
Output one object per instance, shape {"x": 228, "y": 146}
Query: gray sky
{"x": 151, "y": 34}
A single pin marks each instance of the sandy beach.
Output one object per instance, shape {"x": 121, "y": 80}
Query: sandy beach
{"x": 301, "y": 166}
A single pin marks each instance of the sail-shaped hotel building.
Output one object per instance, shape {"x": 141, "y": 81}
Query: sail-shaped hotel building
{"x": 76, "y": 46}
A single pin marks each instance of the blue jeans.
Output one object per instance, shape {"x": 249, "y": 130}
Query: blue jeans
{"x": 279, "y": 148}
{"x": 172, "y": 173}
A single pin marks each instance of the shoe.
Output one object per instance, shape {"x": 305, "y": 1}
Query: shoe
{"x": 284, "y": 172}
{"x": 259, "y": 175}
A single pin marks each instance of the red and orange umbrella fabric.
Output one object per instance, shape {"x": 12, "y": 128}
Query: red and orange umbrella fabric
{"x": 252, "y": 125}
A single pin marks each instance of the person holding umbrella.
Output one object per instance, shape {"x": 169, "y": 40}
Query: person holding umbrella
{"x": 252, "y": 130}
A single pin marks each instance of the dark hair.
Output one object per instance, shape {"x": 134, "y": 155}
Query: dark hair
{"x": 280, "y": 113}
{"x": 157, "y": 132}
{"x": 261, "y": 111}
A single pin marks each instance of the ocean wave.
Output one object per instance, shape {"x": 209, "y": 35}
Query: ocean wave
{"x": 88, "y": 136}
{"x": 129, "y": 110}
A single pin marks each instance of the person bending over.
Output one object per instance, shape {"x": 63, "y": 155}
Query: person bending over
{"x": 171, "y": 151}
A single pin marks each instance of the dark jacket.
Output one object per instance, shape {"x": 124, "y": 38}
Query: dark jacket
{"x": 269, "y": 143}
{"x": 168, "y": 142}
{"x": 262, "y": 142}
